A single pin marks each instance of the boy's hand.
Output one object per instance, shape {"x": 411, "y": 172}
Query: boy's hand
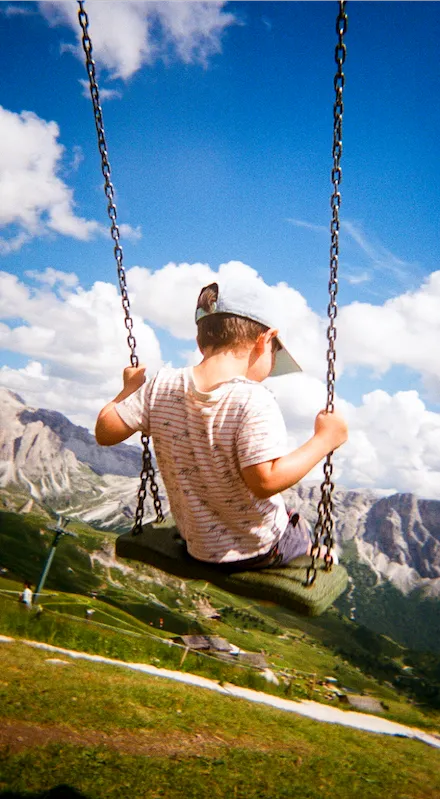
{"x": 332, "y": 427}
{"x": 110, "y": 428}
{"x": 134, "y": 377}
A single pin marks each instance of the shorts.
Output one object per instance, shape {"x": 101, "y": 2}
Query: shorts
{"x": 293, "y": 543}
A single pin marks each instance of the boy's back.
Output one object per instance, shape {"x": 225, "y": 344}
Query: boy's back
{"x": 202, "y": 442}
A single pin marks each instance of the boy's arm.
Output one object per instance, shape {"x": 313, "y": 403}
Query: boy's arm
{"x": 271, "y": 477}
{"x": 110, "y": 428}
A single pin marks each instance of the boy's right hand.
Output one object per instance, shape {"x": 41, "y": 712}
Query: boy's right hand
{"x": 134, "y": 377}
{"x": 332, "y": 427}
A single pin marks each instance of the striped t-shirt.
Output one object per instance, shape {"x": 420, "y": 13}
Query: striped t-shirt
{"x": 202, "y": 441}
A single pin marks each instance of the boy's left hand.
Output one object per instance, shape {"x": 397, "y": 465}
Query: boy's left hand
{"x": 134, "y": 377}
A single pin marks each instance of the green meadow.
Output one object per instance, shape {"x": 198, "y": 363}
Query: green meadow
{"x": 105, "y": 731}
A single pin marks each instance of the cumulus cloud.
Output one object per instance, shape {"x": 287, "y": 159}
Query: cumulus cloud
{"x": 168, "y": 296}
{"x": 75, "y": 347}
{"x": 33, "y": 198}
{"x": 77, "y": 400}
{"x": 404, "y": 331}
{"x": 13, "y": 243}
{"x": 394, "y": 442}
{"x": 52, "y": 277}
{"x": 126, "y": 35}
{"x": 79, "y": 335}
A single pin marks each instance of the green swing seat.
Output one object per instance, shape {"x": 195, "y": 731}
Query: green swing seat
{"x": 161, "y": 546}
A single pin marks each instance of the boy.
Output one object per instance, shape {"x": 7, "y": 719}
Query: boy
{"x": 219, "y": 436}
{"x": 26, "y": 595}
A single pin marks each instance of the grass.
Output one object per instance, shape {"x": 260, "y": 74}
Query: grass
{"x": 107, "y": 732}
{"x": 133, "y": 601}
{"x": 201, "y": 745}
{"x": 131, "y": 646}
{"x": 80, "y": 635}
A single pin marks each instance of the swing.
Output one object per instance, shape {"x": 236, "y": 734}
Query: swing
{"x": 309, "y": 584}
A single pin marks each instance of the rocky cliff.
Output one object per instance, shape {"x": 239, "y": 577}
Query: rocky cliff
{"x": 61, "y": 466}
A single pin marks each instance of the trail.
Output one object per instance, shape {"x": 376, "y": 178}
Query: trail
{"x": 313, "y": 710}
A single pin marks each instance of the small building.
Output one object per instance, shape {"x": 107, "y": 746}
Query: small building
{"x": 205, "y": 643}
{"x": 366, "y": 703}
{"x": 255, "y": 659}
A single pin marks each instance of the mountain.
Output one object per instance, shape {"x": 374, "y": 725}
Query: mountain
{"x": 43, "y": 456}
{"x": 397, "y": 537}
{"x": 60, "y": 466}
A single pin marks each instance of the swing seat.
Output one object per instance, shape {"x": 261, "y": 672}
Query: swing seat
{"x": 161, "y": 546}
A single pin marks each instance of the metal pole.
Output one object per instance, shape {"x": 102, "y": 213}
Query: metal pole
{"x": 59, "y": 532}
{"x": 47, "y": 566}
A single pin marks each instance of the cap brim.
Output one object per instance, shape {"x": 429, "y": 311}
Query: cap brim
{"x": 284, "y": 364}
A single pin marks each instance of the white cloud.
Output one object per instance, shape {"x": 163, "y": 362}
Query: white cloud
{"x": 394, "y": 441}
{"x": 16, "y": 10}
{"x": 355, "y": 279}
{"x": 129, "y": 232}
{"x": 77, "y": 158}
{"x": 79, "y": 334}
{"x": 79, "y": 401}
{"x": 14, "y": 243}
{"x": 309, "y": 225}
{"x": 126, "y": 35}
{"x": 51, "y": 277}
{"x": 394, "y": 444}
{"x": 168, "y": 296}
{"x": 104, "y": 94}
{"x": 33, "y": 198}
{"x": 381, "y": 261}
{"x": 404, "y": 331}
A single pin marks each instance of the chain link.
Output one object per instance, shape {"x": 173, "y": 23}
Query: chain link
{"x": 147, "y": 473}
{"x": 324, "y": 525}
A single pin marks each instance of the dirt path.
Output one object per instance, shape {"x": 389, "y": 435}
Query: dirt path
{"x": 15, "y": 736}
{"x": 18, "y": 735}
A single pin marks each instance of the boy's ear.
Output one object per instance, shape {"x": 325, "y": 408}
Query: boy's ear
{"x": 265, "y": 337}
{"x": 260, "y": 342}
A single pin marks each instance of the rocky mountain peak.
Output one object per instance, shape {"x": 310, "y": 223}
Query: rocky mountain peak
{"x": 60, "y": 464}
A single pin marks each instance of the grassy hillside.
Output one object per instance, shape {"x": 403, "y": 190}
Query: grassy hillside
{"x": 412, "y": 619}
{"x": 106, "y": 732}
{"x": 136, "y": 607}
{"x": 109, "y": 733}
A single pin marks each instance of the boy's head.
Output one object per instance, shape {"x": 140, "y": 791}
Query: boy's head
{"x": 238, "y": 313}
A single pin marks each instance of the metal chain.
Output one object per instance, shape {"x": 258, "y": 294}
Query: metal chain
{"x": 324, "y": 525}
{"x": 147, "y": 473}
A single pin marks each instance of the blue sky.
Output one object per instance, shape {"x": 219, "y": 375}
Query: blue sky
{"x": 220, "y": 144}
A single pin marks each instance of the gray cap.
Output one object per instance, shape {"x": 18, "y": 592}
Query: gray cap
{"x": 254, "y": 300}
